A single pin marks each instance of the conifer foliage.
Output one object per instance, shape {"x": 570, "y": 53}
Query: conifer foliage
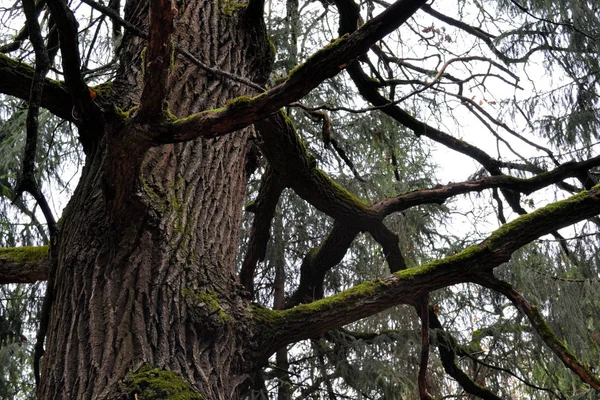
{"x": 224, "y": 199}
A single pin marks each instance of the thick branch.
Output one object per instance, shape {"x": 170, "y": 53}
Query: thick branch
{"x": 69, "y": 45}
{"x": 324, "y": 64}
{"x": 158, "y": 60}
{"x": 85, "y": 110}
{"x": 16, "y": 78}
{"x": 406, "y": 286}
{"x": 317, "y": 262}
{"x": 271, "y": 187}
{"x": 24, "y": 264}
{"x": 282, "y": 147}
{"x": 543, "y": 329}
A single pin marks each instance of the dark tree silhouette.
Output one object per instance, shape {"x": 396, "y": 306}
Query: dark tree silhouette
{"x": 144, "y": 298}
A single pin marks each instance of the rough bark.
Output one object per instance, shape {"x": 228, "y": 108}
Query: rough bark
{"x": 142, "y": 275}
{"x": 145, "y": 272}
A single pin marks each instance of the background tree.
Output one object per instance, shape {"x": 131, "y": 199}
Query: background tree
{"x": 383, "y": 282}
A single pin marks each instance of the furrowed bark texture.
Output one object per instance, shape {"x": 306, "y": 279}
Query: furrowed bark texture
{"x": 145, "y": 271}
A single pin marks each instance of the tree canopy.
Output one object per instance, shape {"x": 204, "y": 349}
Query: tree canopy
{"x": 420, "y": 182}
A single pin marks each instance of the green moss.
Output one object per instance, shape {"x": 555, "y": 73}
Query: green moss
{"x": 22, "y": 67}
{"x": 277, "y": 319}
{"x": 158, "y": 201}
{"x": 308, "y": 64}
{"x": 125, "y": 115}
{"x": 251, "y": 206}
{"x": 230, "y": 7}
{"x": 231, "y": 105}
{"x": 272, "y": 47}
{"x": 169, "y": 116}
{"x": 361, "y": 291}
{"x": 265, "y": 315}
{"x": 104, "y": 90}
{"x": 340, "y": 192}
{"x": 313, "y": 253}
{"x": 412, "y": 273}
{"x": 173, "y": 56}
{"x": 25, "y": 254}
{"x": 523, "y": 223}
{"x": 209, "y": 300}
{"x": 157, "y": 384}
{"x": 143, "y": 57}
{"x": 238, "y": 102}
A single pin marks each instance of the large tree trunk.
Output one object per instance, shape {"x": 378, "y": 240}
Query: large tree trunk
{"x": 145, "y": 276}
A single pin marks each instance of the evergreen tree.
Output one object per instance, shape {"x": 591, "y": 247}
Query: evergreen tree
{"x": 262, "y": 206}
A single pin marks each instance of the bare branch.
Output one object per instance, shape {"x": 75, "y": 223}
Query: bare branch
{"x": 158, "y": 60}
{"x": 23, "y": 33}
{"x": 271, "y": 187}
{"x": 28, "y": 181}
{"x": 86, "y": 110}
{"x": 542, "y": 328}
{"x": 527, "y": 186}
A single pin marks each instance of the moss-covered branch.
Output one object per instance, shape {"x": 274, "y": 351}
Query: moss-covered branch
{"x": 324, "y": 64}
{"x": 24, "y": 264}
{"x": 404, "y": 287}
{"x": 16, "y": 78}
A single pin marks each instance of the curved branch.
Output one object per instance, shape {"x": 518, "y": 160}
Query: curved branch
{"x": 542, "y": 328}
{"x": 87, "y": 112}
{"x": 440, "y": 194}
{"x": 16, "y": 78}
{"x": 320, "y": 260}
{"x": 325, "y": 63}
{"x": 288, "y": 155}
{"x": 406, "y": 286}
{"x": 71, "y": 61}
{"x": 28, "y": 181}
{"x": 447, "y": 348}
{"x": 271, "y": 187}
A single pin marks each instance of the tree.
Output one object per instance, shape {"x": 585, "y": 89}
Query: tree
{"x": 144, "y": 296}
